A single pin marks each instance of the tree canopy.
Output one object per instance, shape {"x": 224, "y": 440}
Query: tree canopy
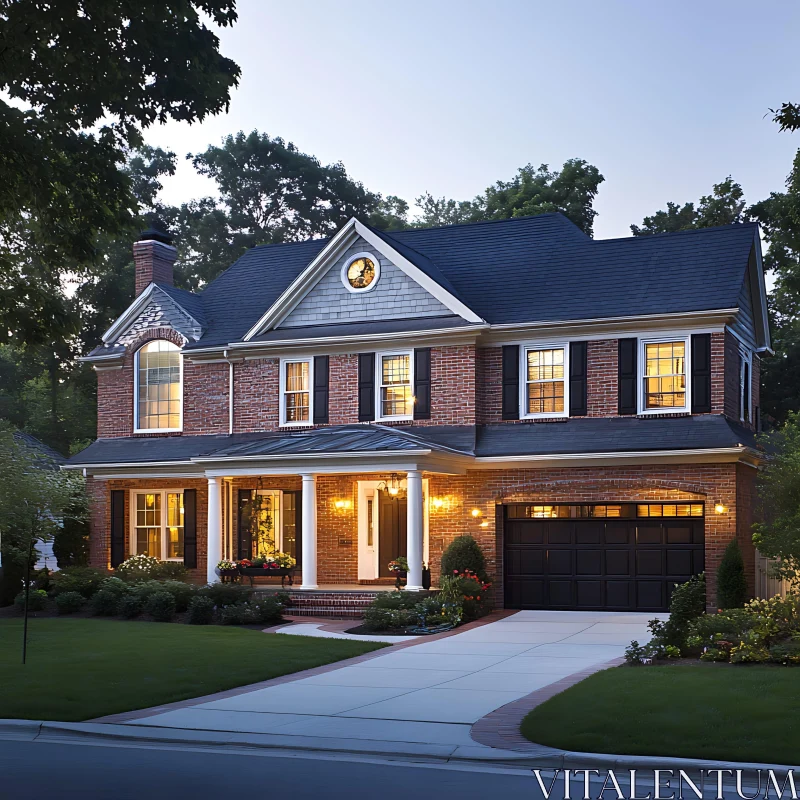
{"x": 787, "y": 116}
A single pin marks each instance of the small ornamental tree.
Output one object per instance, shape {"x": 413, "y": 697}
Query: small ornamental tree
{"x": 464, "y": 553}
{"x": 731, "y": 580}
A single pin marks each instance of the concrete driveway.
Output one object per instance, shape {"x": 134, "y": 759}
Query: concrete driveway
{"x": 431, "y": 692}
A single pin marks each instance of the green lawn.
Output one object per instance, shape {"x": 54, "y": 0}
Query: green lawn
{"x": 79, "y": 669}
{"x": 740, "y": 713}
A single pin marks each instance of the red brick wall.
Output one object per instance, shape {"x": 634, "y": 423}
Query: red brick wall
{"x": 153, "y": 263}
{"x": 343, "y": 389}
{"x": 718, "y": 373}
{"x": 255, "y": 395}
{"x": 602, "y": 359}
{"x": 489, "y": 371}
{"x": 205, "y": 397}
{"x": 453, "y": 373}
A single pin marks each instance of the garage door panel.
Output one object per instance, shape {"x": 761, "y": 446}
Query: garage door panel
{"x": 679, "y": 562}
{"x": 589, "y": 594}
{"x": 560, "y": 593}
{"x": 589, "y": 562}
{"x": 560, "y": 562}
{"x": 618, "y": 562}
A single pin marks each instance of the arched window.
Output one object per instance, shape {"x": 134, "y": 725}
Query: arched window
{"x": 158, "y": 387}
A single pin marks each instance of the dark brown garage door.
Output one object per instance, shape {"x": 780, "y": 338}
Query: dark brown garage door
{"x": 616, "y": 557}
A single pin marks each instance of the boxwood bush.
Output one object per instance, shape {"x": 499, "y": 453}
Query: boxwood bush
{"x": 130, "y": 605}
{"x": 37, "y": 600}
{"x": 104, "y": 603}
{"x": 226, "y": 594}
{"x": 464, "y": 553}
{"x": 201, "y": 611}
{"x": 85, "y": 580}
{"x": 69, "y": 602}
{"x": 161, "y": 606}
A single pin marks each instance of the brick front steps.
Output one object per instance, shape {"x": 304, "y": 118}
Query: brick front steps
{"x": 328, "y": 604}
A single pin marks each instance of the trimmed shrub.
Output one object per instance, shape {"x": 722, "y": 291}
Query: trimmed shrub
{"x": 161, "y": 606}
{"x": 171, "y": 571}
{"x": 138, "y": 568}
{"x": 104, "y": 603}
{"x": 37, "y": 599}
{"x": 42, "y": 579}
{"x": 239, "y": 614}
{"x": 464, "y": 553}
{"x": 182, "y": 592}
{"x": 396, "y": 600}
{"x": 114, "y": 585}
{"x": 226, "y": 594}
{"x": 433, "y": 611}
{"x": 69, "y": 602}
{"x": 146, "y": 589}
{"x": 266, "y": 609}
{"x": 388, "y": 619}
{"x": 731, "y": 580}
{"x": 130, "y": 606}
{"x": 85, "y": 580}
{"x": 201, "y": 611}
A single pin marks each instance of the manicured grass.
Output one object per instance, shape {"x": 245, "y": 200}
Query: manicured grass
{"x": 79, "y": 669}
{"x": 731, "y": 713}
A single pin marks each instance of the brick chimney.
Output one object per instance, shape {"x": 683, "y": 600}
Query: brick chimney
{"x": 153, "y": 256}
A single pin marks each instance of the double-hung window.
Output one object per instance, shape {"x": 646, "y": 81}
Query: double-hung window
{"x": 158, "y": 387}
{"x": 394, "y": 386}
{"x": 157, "y": 524}
{"x": 544, "y": 376}
{"x": 664, "y": 375}
{"x": 296, "y": 394}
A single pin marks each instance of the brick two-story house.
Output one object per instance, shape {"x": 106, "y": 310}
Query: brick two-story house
{"x": 585, "y": 409}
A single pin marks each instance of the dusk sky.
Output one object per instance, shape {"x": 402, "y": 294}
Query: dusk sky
{"x": 448, "y": 96}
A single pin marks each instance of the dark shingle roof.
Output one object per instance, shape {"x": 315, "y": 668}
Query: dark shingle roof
{"x": 49, "y": 457}
{"x": 527, "y": 269}
{"x": 575, "y": 436}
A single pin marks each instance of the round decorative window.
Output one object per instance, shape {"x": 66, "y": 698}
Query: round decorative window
{"x": 361, "y": 272}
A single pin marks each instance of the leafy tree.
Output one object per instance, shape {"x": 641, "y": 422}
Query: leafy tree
{"x": 779, "y": 217}
{"x": 725, "y": 205}
{"x": 66, "y": 127}
{"x": 787, "y": 116}
{"x": 533, "y": 190}
{"x": 731, "y": 580}
{"x": 778, "y": 536}
{"x": 35, "y": 497}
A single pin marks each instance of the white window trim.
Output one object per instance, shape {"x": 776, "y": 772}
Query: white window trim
{"x": 374, "y": 259}
{"x": 523, "y": 379}
{"x": 132, "y": 510}
{"x": 640, "y": 376}
{"x": 136, "y": 428}
{"x": 379, "y": 356}
{"x": 746, "y": 389}
{"x": 282, "y": 392}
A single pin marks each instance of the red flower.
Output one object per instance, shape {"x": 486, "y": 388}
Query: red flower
{"x": 455, "y": 572}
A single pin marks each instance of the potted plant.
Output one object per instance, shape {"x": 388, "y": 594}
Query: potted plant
{"x": 400, "y": 569}
{"x": 227, "y": 569}
{"x": 279, "y": 565}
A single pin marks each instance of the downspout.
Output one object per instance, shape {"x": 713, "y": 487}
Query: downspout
{"x": 230, "y": 392}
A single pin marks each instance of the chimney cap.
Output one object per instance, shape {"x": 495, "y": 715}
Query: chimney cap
{"x": 157, "y": 230}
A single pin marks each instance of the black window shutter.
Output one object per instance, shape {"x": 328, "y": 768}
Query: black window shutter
{"x": 510, "y": 408}
{"x": 577, "y": 379}
{"x": 244, "y": 527}
{"x": 321, "y": 382}
{"x": 422, "y": 383}
{"x": 701, "y": 373}
{"x": 627, "y": 387}
{"x": 190, "y": 528}
{"x": 366, "y": 387}
{"x": 117, "y": 527}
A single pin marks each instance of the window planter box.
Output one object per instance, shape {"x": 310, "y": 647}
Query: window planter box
{"x": 259, "y": 572}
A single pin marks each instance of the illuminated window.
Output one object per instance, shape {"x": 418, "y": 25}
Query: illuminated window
{"x": 296, "y": 392}
{"x": 669, "y": 510}
{"x": 361, "y": 272}
{"x": 606, "y": 511}
{"x": 158, "y": 387}
{"x": 395, "y": 400}
{"x": 158, "y": 524}
{"x": 545, "y": 381}
{"x": 664, "y": 375}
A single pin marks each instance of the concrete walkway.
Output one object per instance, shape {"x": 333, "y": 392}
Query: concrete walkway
{"x": 431, "y": 692}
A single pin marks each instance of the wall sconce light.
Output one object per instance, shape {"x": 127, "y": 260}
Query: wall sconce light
{"x": 484, "y": 524}
{"x": 476, "y": 512}
{"x": 720, "y": 507}
{"x": 342, "y": 504}
{"x": 437, "y": 502}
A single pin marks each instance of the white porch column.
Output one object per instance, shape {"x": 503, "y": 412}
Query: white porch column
{"x": 214, "y": 550}
{"x": 309, "y": 531}
{"x": 414, "y": 531}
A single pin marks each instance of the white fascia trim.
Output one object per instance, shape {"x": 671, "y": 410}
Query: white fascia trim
{"x": 310, "y": 456}
{"x": 109, "y": 357}
{"x": 715, "y": 319}
{"x": 129, "y": 465}
{"x": 762, "y": 291}
{"x": 303, "y": 283}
